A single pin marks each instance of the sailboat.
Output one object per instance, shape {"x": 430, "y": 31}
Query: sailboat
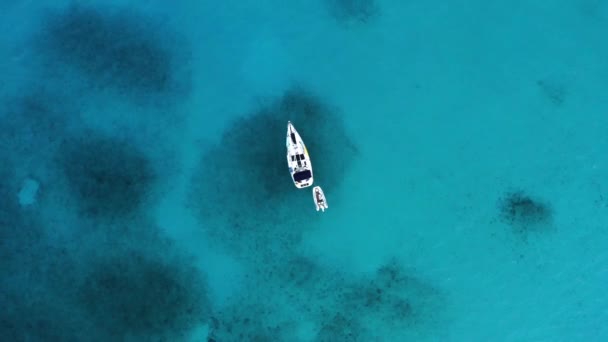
{"x": 298, "y": 159}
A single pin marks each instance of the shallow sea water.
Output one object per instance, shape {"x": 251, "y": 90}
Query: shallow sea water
{"x": 462, "y": 149}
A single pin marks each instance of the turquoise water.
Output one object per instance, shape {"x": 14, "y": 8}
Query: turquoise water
{"x": 461, "y": 147}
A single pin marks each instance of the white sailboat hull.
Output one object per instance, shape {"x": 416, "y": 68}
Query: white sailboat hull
{"x": 298, "y": 159}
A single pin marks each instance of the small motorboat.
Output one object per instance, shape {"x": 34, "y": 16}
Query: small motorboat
{"x": 319, "y": 197}
{"x": 298, "y": 159}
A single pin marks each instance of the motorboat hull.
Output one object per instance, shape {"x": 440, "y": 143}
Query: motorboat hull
{"x": 319, "y": 197}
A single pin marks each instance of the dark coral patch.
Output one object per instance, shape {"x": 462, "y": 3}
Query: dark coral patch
{"x": 390, "y": 302}
{"x": 248, "y": 322}
{"x": 119, "y": 48}
{"x": 244, "y": 179}
{"x": 109, "y": 177}
{"x": 340, "y": 328}
{"x": 353, "y": 11}
{"x": 134, "y": 294}
{"x": 555, "y": 92}
{"x": 523, "y": 212}
{"x": 390, "y": 295}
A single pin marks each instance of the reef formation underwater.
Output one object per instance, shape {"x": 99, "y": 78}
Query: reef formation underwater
{"x": 82, "y": 254}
